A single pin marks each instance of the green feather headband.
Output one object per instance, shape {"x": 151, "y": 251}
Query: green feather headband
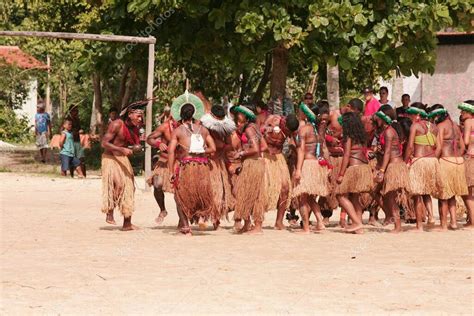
{"x": 183, "y": 99}
{"x": 307, "y": 111}
{"x": 437, "y": 112}
{"x": 245, "y": 111}
{"x": 466, "y": 107}
{"x": 339, "y": 120}
{"x": 417, "y": 111}
{"x": 384, "y": 117}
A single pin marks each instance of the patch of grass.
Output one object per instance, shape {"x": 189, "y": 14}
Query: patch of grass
{"x": 5, "y": 169}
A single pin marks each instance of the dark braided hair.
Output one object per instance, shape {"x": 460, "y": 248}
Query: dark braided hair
{"x": 353, "y": 128}
{"x": 439, "y": 118}
{"x": 390, "y": 112}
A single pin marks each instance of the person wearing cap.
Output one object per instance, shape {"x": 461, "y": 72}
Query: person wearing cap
{"x": 42, "y": 130}
{"x": 420, "y": 155}
{"x": 467, "y": 115}
{"x": 120, "y": 141}
{"x": 310, "y": 178}
{"x": 221, "y": 129}
{"x": 188, "y": 164}
{"x": 251, "y": 185}
{"x": 450, "y": 148}
{"x": 160, "y": 139}
{"x": 372, "y": 105}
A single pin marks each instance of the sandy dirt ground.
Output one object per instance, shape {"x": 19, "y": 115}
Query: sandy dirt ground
{"x": 58, "y": 256}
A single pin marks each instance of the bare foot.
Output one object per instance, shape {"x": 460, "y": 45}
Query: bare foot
{"x": 468, "y": 226}
{"x": 301, "y": 232}
{"x": 326, "y": 221}
{"x": 453, "y": 226}
{"x": 254, "y": 231}
{"x": 185, "y": 231}
{"x": 417, "y": 230}
{"x": 161, "y": 217}
{"x": 353, "y": 228}
{"x": 130, "y": 227}
{"x": 216, "y": 225}
{"x": 279, "y": 226}
{"x": 359, "y": 231}
{"x": 237, "y": 227}
{"x": 293, "y": 223}
{"x": 396, "y": 231}
{"x": 342, "y": 223}
{"x": 244, "y": 229}
{"x": 109, "y": 218}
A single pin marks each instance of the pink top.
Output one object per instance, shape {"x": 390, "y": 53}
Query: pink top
{"x": 371, "y": 107}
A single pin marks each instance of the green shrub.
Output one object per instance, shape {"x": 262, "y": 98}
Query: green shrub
{"x": 14, "y": 128}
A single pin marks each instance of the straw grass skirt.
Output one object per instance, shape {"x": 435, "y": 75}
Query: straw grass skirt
{"x": 118, "y": 187}
{"x": 331, "y": 200}
{"x": 396, "y": 180}
{"x": 161, "y": 170}
{"x": 314, "y": 180}
{"x": 250, "y": 190}
{"x": 278, "y": 178}
{"x": 193, "y": 192}
{"x": 424, "y": 176}
{"x": 221, "y": 187}
{"x": 469, "y": 166}
{"x": 453, "y": 177}
{"x": 357, "y": 179}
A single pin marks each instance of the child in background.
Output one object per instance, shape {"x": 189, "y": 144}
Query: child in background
{"x": 68, "y": 160}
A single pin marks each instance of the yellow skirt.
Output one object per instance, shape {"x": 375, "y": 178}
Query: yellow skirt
{"x": 314, "y": 180}
{"x": 453, "y": 177}
{"x": 278, "y": 177}
{"x": 424, "y": 176}
{"x": 118, "y": 187}
{"x": 357, "y": 179}
{"x": 161, "y": 170}
{"x": 250, "y": 190}
{"x": 221, "y": 187}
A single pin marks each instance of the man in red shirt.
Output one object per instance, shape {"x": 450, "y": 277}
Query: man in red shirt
{"x": 372, "y": 105}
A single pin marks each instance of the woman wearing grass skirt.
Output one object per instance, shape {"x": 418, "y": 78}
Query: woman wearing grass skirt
{"x": 355, "y": 176}
{"x": 450, "y": 148}
{"x": 310, "y": 178}
{"x": 250, "y": 187}
{"x": 467, "y": 115}
{"x": 423, "y": 164}
{"x": 393, "y": 171}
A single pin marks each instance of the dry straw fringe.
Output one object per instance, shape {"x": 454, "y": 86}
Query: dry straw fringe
{"x": 278, "y": 177}
{"x": 161, "y": 170}
{"x": 357, "y": 179}
{"x": 424, "y": 176}
{"x": 221, "y": 187}
{"x": 118, "y": 187}
{"x": 250, "y": 190}
{"x": 331, "y": 200}
{"x": 314, "y": 180}
{"x": 469, "y": 164}
{"x": 193, "y": 193}
{"x": 453, "y": 177}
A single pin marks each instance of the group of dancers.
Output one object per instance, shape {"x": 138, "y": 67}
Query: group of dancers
{"x": 245, "y": 162}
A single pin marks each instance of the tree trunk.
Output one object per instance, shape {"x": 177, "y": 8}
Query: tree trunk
{"x": 96, "y": 117}
{"x": 129, "y": 88}
{"x": 333, "y": 87}
{"x": 122, "y": 88}
{"x": 265, "y": 78}
{"x": 243, "y": 86}
{"x": 279, "y": 72}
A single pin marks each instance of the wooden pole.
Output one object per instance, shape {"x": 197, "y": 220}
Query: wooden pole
{"x": 82, "y": 36}
{"x": 48, "y": 95}
{"x": 149, "y": 109}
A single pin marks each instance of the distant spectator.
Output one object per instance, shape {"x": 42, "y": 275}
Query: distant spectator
{"x": 42, "y": 130}
{"x": 163, "y": 117}
{"x": 67, "y": 153}
{"x": 113, "y": 115}
{"x": 308, "y": 99}
{"x": 402, "y": 111}
{"x": 372, "y": 105}
{"x": 383, "y": 92}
